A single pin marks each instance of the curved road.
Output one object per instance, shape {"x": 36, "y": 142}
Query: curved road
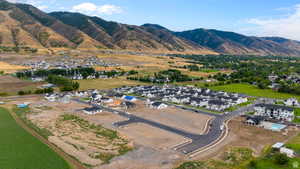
{"x": 197, "y": 141}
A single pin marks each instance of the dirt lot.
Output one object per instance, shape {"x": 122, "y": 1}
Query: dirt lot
{"x": 174, "y": 117}
{"x": 12, "y": 85}
{"x": 150, "y": 136}
{"x": 241, "y": 135}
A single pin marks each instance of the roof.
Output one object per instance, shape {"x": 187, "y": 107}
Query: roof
{"x": 273, "y": 106}
{"x": 90, "y": 109}
{"x": 278, "y": 145}
{"x": 129, "y": 97}
{"x": 157, "y": 104}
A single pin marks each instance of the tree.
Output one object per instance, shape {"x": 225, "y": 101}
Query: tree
{"x": 281, "y": 159}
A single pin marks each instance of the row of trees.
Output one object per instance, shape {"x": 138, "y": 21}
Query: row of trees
{"x": 84, "y": 72}
{"x": 166, "y": 76}
{"x": 63, "y": 83}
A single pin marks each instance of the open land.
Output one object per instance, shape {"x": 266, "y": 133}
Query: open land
{"x": 11, "y": 85}
{"x": 21, "y": 150}
{"x": 253, "y": 91}
{"x": 174, "y": 117}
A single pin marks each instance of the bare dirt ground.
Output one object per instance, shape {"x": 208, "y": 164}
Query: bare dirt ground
{"x": 174, "y": 117}
{"x": 11, "y": 85}
{"x": 150, "y": 136}
{"x": 145, "y": 158}
{"x": 241, "y": 135}
{"x": 105, "y": 118}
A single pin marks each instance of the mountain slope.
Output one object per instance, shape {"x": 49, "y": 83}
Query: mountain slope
{"x": 130, "y": 37}
{"x": 233, "y": 43}
{"x": 24, "y": 25}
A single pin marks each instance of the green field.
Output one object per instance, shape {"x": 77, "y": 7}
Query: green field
{"x": 20, "y": 150}
{"x": 254, "y": 91}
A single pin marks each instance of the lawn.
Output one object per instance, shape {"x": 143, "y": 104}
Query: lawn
{"x": 294, "y": 144}
{"x": 20, "y": 150}
{"x": 253, "y": 91}
{"x": 103, "y": 84}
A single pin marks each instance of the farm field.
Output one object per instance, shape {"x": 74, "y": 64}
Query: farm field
{"x": 11, "y": 85}
{"x": 21, "y": 150}
{"x": 103, "y": 84}
{"x": 253, "y": 91}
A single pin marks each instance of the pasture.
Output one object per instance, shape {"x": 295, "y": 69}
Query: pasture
{"x": 21, "y": 150}
{"x": 253, "y": 91}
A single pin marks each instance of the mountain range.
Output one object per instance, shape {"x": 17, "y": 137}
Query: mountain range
{"x": 23, "y": 25}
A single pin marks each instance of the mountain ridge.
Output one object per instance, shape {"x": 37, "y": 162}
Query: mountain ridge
{"x": 23, "y": 25}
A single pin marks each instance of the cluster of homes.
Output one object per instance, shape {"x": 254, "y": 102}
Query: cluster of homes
{"x": 196, "y": 97}
{"x": 272, "y": 117}
{"x": 68, "y": 62}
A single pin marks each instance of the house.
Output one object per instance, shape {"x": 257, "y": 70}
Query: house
{"x": 254, "y": 120}
{"x": 65, "y": 98}
{"x": 129, "y": 98}
{"x": 128, "y": 105}
{"x": 278, "y": 145}
{"x": 158, "y": 105}
{"x": 276, "y": 112}
{"x": 95, "y": 97}
{"x": 47, "y": 86}
{"x": 217, "y": 105}
{"x": 92, "y": 110}
{"x": 289, "y": 152}
{"x": 291, "y": 102}
{"x": 51, "y": 97}
{"x": 106, "y": 100}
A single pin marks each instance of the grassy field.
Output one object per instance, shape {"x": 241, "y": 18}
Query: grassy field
{"x": 103, "y": 84}
{"x": 253, "y": 91}
{"x": 294, "y": 144}
{"x": 20, "y": 150}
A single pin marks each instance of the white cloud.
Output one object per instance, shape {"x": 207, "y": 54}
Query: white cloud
{"x": 85, "y": 7}
{"x": 92, "y": 9}
{"x": 109, "y": 9}
{"x": 287, "y": 26}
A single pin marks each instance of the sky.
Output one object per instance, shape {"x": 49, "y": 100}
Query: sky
{"x": 250, "y": 17}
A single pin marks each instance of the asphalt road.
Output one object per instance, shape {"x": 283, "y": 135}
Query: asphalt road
{"x": 197, "y": 141}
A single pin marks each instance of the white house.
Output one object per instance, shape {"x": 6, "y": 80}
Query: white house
{"x": 289, "y": 152}
{"x": 51, "y": 97}
{"x": 276, "y": 112}
{"x": 291, "y": 102}
{"x": 92, "y": 110}
{"x": 158, "y": 105}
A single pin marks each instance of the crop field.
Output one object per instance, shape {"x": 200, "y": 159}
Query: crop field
{"x": 253, "y": 91}
{"x": 19, "y": 149}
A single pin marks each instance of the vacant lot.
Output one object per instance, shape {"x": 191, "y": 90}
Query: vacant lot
{"x": 19, "y": 149}
{"x": 88, "y": 142}
{"x": 11, "y": 85}
{"x": 8, "y": 68}
{"x": 254, "y": 91}
{"x": 103, "y": 84}
{"x": 174, "y": 117}
{"x": 147, "y": 135}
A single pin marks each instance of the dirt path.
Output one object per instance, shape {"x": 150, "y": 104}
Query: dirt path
{"x": 74, "y": 163}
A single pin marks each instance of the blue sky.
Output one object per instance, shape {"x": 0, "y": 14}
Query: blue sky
{"x": 251, "y": 17}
